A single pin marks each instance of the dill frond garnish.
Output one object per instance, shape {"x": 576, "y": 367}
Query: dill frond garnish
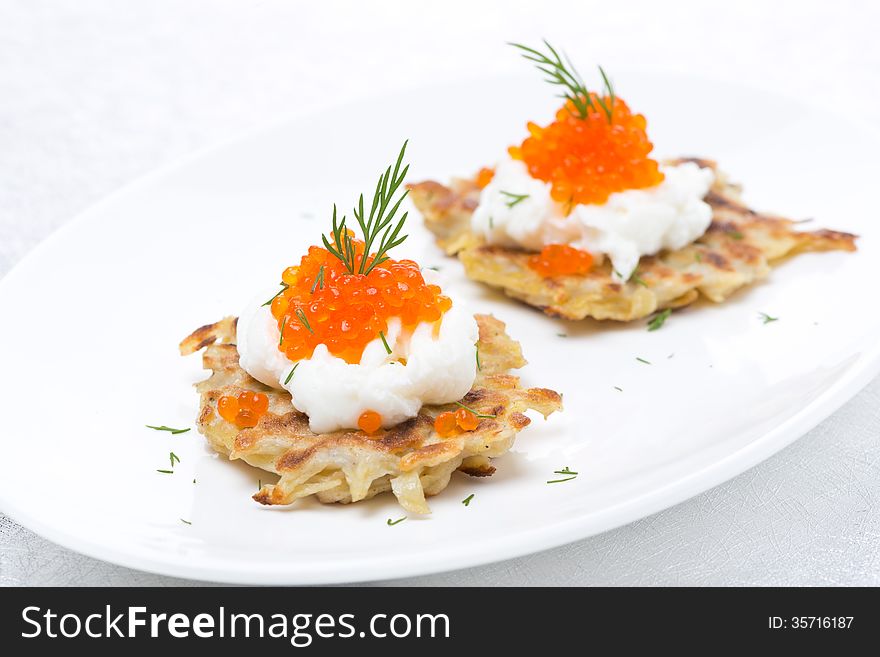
{"x": 767, "y": 318}
{"x": 391, "y": 522}
{"x": 467, "y": 501}
{"x": 642, "y": 360}
{"x": 342, "y": 247}
{"x": 382, "y": 211}
{"x": 290, "y": 375}
{"x": 385, "y": 342}
{"x": 565, "y": 75}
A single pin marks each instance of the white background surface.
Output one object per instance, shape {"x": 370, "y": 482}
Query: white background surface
{"x": 93, "y": 94}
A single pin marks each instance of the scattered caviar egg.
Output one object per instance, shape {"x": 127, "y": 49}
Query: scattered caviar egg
{"x": 466, "y": 420}
{"x": 484, "y": 177}
{"x": 324, "y": 303}
{"x": 228, "y": 408}
{"x": 587, "y": 159}
{"x": 245, "y": 409}
{"x": 369, "y": 421}
{"x": 445, "y": 423}
{"x": 260, "y": 404}
{"x": 560, "y": 260}
{"x": 245, "y": 419}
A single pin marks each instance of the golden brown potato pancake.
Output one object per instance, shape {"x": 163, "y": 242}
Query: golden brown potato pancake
{"x": 411, "y": 459}
{"x": 736, "y": 250}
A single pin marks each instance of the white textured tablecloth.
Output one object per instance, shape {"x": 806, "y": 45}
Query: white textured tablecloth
{"x": 95, "y": 93}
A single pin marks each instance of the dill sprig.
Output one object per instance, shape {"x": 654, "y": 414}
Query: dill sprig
{"x": 382, "y": 211}
{"x": 564, "y": 74}
{"x": 290, "y": 375}
{"x": 467, "y": 501}
{"x": 391, "y": 522}
{"x": 343, "y": 246}
{"x": 767, "y": 318}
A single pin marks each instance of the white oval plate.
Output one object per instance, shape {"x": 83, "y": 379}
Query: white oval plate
{"x": 92, "y": 319}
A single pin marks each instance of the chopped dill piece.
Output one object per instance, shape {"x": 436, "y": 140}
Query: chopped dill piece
{"x": 470, "y": 410}
{"x": 385, "y": 342}
{"x": 173, "y": 431}
{"x": 659, "y": 319}
{"x": 513, "y": 199}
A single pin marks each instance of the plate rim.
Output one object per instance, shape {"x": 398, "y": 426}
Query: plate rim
{"x": 857, "y": 375}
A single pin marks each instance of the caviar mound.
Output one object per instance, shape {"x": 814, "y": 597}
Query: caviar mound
{"x": 587, "y": 159}
{"x": 322, "y": 303}
{"x": 560, "y": 260}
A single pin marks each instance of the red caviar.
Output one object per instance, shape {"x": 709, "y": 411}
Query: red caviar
{"x": 484, "y": 177}
{"x": 324, "y": 304}
{"x": 447, "y": 423}
{"x": 586, "y": 160}
{"x": 444, "y": 424}
{"x": 560, "y": 260}
{"x": 369, "y": 421}
{"x": 466, "y": 420}
{"x": 244, "y": 410}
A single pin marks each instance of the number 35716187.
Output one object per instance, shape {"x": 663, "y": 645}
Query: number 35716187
{"x": 810, "y": 622}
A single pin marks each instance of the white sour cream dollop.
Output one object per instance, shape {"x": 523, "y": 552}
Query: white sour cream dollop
{"x": 436, "y": 370}
{"x": 628, "y": 225}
